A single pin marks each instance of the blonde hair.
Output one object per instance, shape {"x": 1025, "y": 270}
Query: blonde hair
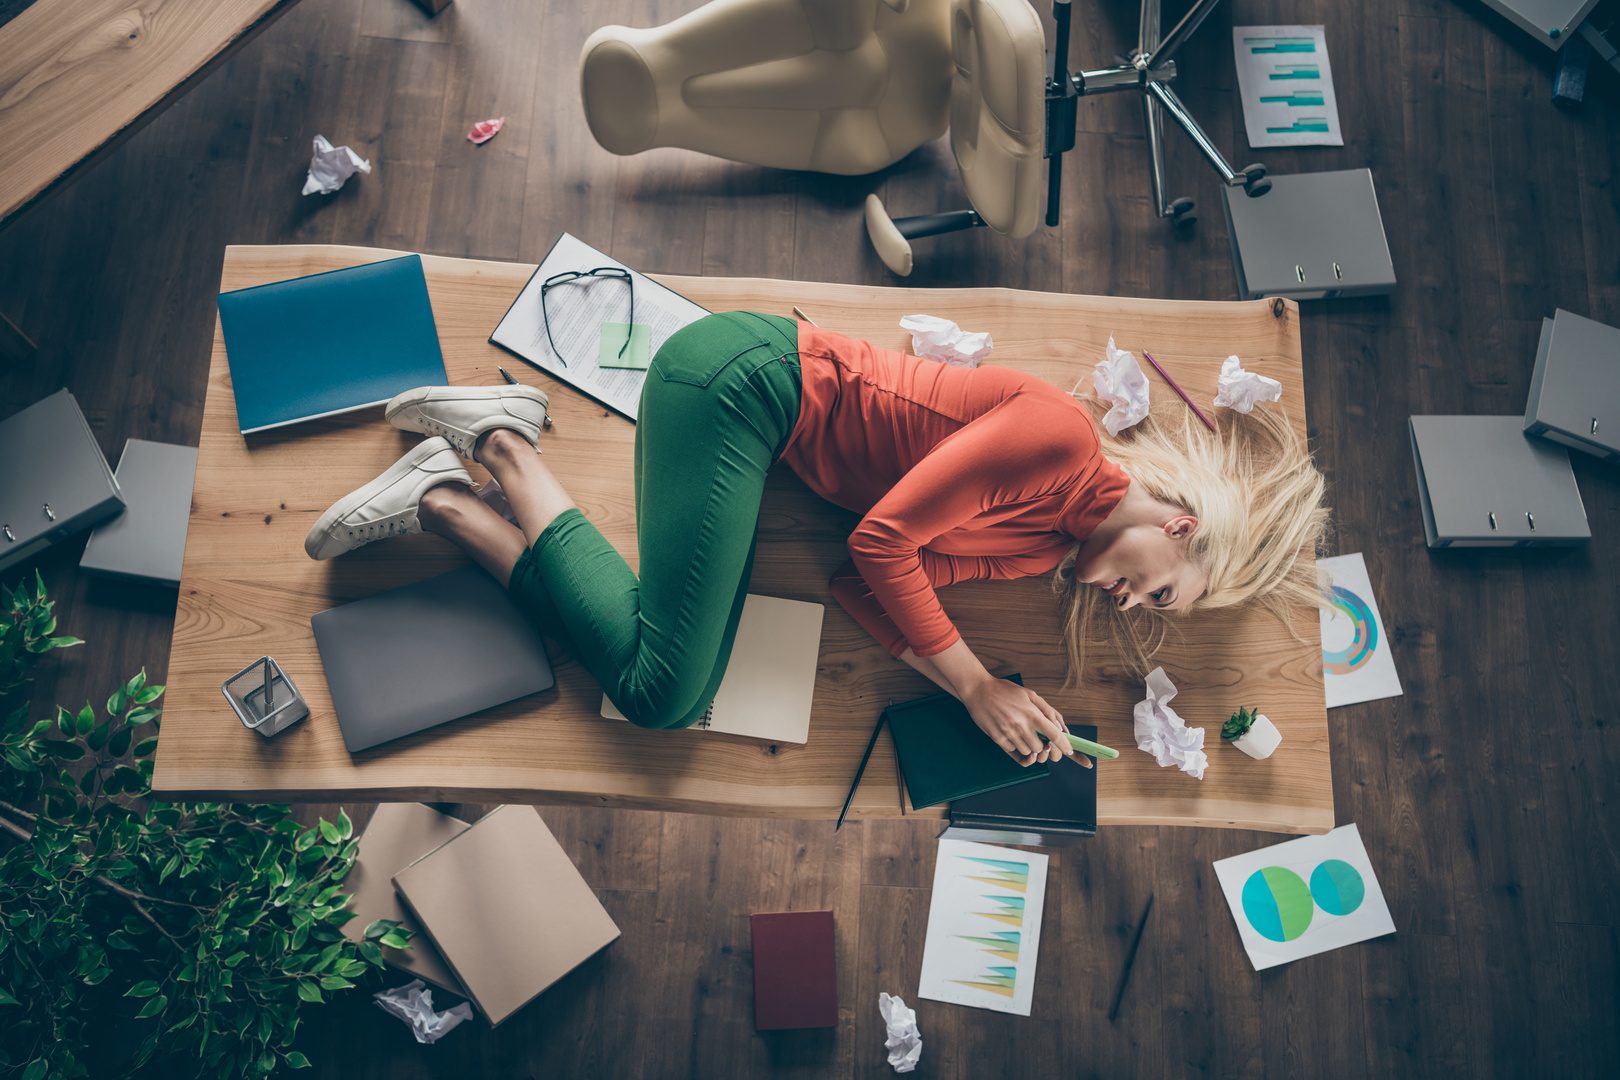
{"x": 1258, "y": 498}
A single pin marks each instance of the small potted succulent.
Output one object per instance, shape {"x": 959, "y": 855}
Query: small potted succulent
{"x": 1251, "y": 732}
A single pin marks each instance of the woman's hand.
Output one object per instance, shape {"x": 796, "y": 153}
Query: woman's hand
{"x": 1016, "y": 717}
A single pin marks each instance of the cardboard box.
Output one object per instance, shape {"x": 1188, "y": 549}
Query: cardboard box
{"x": 506, "y": 908}
{"x": 397, "y": 835}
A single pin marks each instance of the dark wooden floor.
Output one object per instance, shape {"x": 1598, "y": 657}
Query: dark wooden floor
{"x": 1486, "y": 794}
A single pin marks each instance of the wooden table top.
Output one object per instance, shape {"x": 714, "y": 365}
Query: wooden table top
{"x": 249, "y": 589}
{"x": 78, "y": 75}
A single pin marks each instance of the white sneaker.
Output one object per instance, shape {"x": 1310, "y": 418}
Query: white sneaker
{"x": 388, "y": 505}
{"x": 460, "y": 414}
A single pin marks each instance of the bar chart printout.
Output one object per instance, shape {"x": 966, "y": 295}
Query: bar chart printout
{"x": 984, "y": 927}
{"x": 1286, "y": 85}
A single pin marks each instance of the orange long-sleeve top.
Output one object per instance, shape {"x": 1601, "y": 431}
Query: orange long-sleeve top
{"x": 962, "y": 474}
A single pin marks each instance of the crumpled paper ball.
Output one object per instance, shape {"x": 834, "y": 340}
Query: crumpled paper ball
{"x": 332, "y": 166}
{"x": 1161, "y": 732}
{"x": 1240, "y": 390}
{"x": 935, "y": 338}
{"x": 1122, "y": 384}
{"x": 904, "y": 1041}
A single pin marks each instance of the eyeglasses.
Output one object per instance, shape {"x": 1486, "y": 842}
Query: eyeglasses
{"x": 568, "y": 277}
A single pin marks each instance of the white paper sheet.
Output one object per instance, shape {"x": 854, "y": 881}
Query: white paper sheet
{"x": 1357, "y": 664}
{"x": 984, "y": 927}
{"x": 577, "y": 314}
{"x": 1304, "y": 897}
{"x": 1286, "y": 86}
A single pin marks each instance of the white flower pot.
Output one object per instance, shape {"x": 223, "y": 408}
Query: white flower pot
{"x": 1261, "y": 738}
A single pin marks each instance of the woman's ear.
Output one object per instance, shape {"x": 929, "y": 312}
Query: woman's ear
{"x": 1181, "y": 526}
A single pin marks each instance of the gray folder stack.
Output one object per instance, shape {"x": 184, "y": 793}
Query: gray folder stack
{"x": 1575, "y": 390}
{"x": 1484, "y": 483}
{"x": 54, "y": 479}
{"x": 147, "y": 542}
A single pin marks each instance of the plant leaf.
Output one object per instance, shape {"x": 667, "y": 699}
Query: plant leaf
{"x": 152, "y": 1007}
{"x": 296, "y": 1060}
{"x": 144, "y": 988}
{"x": 307, "y": 991}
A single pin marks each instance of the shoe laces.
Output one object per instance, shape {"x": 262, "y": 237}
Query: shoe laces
{"x": 377, "y": 530}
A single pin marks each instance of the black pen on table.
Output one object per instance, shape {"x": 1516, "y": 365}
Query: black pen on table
{"x": 860, "y": 770}
{"x": 1130, "y": 961}
{"x": 507, "y": 375}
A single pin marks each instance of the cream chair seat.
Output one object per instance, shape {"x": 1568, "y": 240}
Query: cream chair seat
{"x": 835, "y": 86}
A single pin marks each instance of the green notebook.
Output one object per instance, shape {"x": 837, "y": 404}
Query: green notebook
{"x": 944, "y": 756}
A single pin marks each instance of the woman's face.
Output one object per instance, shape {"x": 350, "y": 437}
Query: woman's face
{"x": 1146, "y": 564}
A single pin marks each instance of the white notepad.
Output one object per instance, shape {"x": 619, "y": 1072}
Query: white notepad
{"x": 578, "y": 312}
{"x": 771, "y": 678}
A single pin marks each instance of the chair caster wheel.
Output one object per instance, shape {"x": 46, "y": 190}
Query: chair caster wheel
{"x": 1251, "y": 173}
{"x": 1181, "y": 213}
{"x": 1256, "y": 188}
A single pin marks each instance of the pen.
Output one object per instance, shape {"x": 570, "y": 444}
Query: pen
{"x": 269, "y": 689}
{"x": 799, "y": 311}
{"x": 860, "y": 770}
{"x": 507, "y": 375}
{"x": 1130, "y": 961}
{"x": 1182, "y": 394}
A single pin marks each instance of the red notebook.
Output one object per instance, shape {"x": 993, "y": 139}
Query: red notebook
{"x": 795, "y": 971}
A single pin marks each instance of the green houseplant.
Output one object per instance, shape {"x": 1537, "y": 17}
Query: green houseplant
{"x": 1252, "y": 732}
{"x": 140, "y": 937}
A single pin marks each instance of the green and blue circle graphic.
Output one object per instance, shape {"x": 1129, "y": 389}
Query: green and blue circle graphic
{"x": 1363, "y": 634}
{"x": 1277, "y": 903}
{"x": 1337, "y": 887}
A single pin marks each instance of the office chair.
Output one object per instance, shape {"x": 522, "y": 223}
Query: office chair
{"x": 852, "y": 86}
{"x": 1007, "y": 115}
{"x": 834, "y": 86}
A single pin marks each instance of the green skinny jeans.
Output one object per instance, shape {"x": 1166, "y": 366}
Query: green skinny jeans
{"x": 719, "y": 404}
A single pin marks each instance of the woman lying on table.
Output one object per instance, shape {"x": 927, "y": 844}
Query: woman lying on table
{"x": 961, "y": 474}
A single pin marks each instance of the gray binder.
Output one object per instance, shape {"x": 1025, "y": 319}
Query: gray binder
{"x": 1313, "y": 236}
{"x": 1484, "y": 483}
{"x": 1575, "y": 389}
{"x": 54, "y": 479}
{"x": 147, "y": 542}
{"x": 1550, "y": 22}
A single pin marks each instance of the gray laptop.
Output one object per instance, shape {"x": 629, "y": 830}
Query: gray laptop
{"x": 425, "y": 654}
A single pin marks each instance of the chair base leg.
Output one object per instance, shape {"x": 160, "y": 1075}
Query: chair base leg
{"x": 920, "y": 225}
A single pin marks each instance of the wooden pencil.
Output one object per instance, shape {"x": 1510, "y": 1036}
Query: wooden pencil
{"x": 1182, "y": 394}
